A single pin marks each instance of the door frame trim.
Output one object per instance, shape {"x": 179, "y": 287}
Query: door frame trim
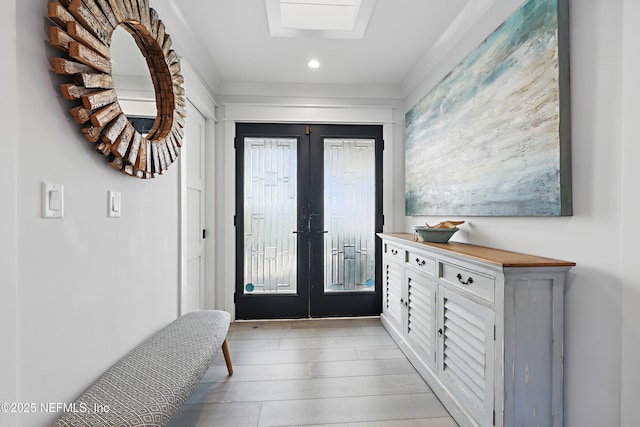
{"x": 234, "y": 112}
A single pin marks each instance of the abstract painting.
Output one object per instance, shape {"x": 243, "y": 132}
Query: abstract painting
{"x": 493, "y": 137}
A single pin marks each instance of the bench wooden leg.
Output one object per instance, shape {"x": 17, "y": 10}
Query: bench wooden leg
{"x": 227, "y": 357}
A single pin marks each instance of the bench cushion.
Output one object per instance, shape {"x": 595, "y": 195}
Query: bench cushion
{"x": 148, "y": 385}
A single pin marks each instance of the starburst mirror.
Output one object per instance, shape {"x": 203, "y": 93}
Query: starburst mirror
{"x": 83, "y": 31}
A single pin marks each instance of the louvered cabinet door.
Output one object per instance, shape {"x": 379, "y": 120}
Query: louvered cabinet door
{"x": 393, "y": 274}
{"x": 421, "y": 316}
{"x": 466, "y": 353}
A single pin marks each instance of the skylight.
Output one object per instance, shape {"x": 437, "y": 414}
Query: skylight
{"x": 319, "y": 18}
{"x": 328, "y": 15}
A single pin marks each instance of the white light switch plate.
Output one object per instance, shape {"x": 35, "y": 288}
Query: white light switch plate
{"x": 115, "y": 204}
{"x": 52, "y": 200}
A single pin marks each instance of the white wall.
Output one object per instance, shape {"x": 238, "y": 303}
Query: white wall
{"x": 89, "y": 288}
{"x": 595, "y": 236}
{"x": 186, "y": 43}
{"x": 8, "y": 212}
{"x": 630, "y": 369}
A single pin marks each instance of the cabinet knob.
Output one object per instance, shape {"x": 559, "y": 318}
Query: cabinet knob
{"x": 467, "y": 282}
{"x": 440, "y": 332}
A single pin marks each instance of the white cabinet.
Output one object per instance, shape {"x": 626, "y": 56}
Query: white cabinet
{"x": 484, "y": 327}
{"x": 393, "y": 275}
{"x": 421, "y": 316}
{"x": 409, "y": 304}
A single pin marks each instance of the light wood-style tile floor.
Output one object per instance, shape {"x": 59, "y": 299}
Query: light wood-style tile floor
{"x": 333, "y": 372}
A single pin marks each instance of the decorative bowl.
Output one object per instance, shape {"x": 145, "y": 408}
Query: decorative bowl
{"x": 434, "y": 235}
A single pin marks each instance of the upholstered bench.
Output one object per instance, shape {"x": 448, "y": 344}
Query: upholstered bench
{"x": 148, "y": 385}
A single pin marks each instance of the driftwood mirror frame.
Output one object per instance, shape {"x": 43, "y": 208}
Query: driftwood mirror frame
{"x": 83, "y": 31}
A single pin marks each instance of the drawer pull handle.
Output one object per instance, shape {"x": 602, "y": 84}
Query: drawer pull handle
{"x": 420, "y": 263}
{"x": 394, "y": 252}
{"x": 468, "y": 282}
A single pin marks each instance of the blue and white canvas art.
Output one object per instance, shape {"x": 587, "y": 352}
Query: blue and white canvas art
{"x": 487, "y": 139}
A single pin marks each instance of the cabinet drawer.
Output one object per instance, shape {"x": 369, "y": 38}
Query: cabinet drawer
{"x": 472, "y": 281}
{"x": 393, "y": 252}
{"x": 421, "y": 262}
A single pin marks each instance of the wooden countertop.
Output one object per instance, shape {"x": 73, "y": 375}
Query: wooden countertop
{"x": 505, "y": 259}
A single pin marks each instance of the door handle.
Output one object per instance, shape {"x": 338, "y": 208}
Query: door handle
{"x": 309, "y": 219}
{"x": 322, "y": 231}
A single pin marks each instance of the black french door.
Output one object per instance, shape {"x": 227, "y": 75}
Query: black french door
{"x": 308, "y": 205}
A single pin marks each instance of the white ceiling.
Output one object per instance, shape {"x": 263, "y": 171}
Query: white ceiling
{"x": 232, "y": 37}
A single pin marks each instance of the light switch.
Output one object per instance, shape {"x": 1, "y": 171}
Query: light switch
{"x": 52, "y": 200}
{"x": 55, "y": 200}
{"x": 115, "y": 204}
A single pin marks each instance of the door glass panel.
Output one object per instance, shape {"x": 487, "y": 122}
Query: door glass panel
{"x": 270, "y": 215}
{"x": 349, "y": 215}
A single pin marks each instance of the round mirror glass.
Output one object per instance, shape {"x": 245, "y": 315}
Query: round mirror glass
{"x": 133, "y": 84}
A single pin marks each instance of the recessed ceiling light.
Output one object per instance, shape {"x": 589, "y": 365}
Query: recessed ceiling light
{"x": 314, "y": 63}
